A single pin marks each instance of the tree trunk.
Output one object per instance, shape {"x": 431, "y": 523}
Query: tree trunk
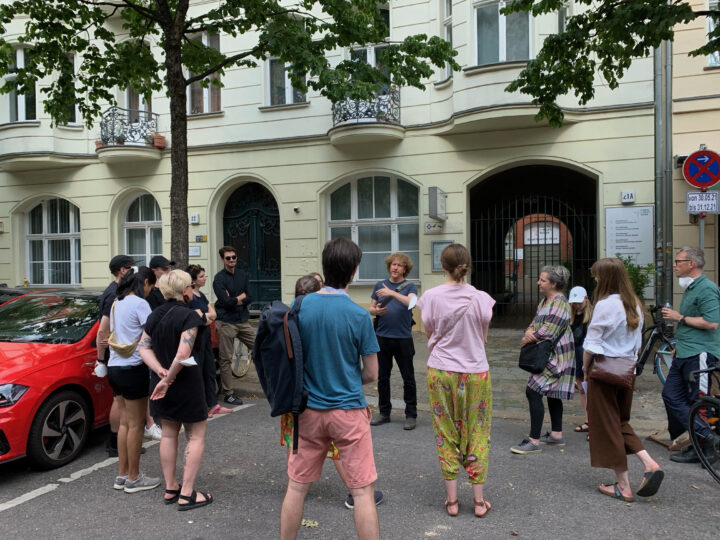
{"x": 178, "y": 148}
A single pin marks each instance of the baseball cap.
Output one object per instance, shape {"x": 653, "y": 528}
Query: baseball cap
{"x": 158, "y": 261}
{"x": 577, "y": 295}
{"x": 120, "y": 261}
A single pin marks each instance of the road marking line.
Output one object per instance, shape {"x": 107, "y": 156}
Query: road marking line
{"x": 83, "y": 472}
{"x": 17, "y": 501}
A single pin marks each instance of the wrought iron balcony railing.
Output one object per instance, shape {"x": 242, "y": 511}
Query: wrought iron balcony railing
{"x": 131, "y": 126}
{"x": 384, "y": 108}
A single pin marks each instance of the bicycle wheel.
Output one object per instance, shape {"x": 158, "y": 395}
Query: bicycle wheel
{"x": 708, "y": 409}
{"x": 242, "y": 358}
{"x": 663, "y": 359}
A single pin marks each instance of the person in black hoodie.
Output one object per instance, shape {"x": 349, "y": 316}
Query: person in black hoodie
{"x": 580, "y": 315}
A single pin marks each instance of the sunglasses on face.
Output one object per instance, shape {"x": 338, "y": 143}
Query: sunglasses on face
{"x": 231, "y": 257}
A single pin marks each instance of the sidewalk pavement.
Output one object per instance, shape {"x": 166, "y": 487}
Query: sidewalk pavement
{"x": 509, "y": 401}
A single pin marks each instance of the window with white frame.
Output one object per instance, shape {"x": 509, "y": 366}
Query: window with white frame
{"x": 501, "y": 38}
{"x": 375, "y": 54}
{"x": 204, "y": 100}
{"x": 281, "y": 89}
{"x": 137, "y": 105}
{"x": 143, "y": 229}
{"x": 447, "y": 32}
{"x": 53, "y": 243}
{"x": 22, "y": 105}
{"x": 72, "y": 109}
{"x": 562, "y": 16}
{"x": 380, "y": 214}
{"x": 714, "y": 57}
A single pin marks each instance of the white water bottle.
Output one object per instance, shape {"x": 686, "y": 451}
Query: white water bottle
{"x": 101, "y": 370}
{"x": 669, "y": 323}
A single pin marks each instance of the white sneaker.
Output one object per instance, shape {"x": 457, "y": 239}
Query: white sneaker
{"x": 153, "y": 432}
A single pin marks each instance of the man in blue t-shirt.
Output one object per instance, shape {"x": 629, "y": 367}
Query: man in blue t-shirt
{"x": 340, "y": 355}
{"x": 391, "y": 302}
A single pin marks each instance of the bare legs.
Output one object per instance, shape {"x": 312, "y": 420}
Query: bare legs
{"x": 622, "y": 478}
{"x": 365, "y": 513}
{"x": 135, "y": 423}
{"x": 583, "y": 397}
{"x": 194, "y": 449}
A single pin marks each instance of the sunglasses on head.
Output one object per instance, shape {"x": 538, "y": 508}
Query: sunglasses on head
{"x": 231, "y": 257}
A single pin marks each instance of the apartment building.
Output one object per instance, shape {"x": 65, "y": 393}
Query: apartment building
{"x": 277, "y": 172}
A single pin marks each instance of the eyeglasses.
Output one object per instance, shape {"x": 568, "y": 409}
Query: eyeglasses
{"x": 231, "y": 257}
{"x": 678, "y": 261}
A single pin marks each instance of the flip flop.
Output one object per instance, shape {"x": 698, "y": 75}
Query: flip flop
{"x": 651, "y": 483}
{"x": 219, "y": 409}
{"x": 617, "y": 494}
{"x": 582, "y": 428}
{"x": 191, "y": 501}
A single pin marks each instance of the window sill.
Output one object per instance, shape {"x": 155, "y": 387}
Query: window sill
{"x": 20, "y": 124}
{"x": 71, "y": 127}
{"x": 199, "y": 116}
{"x": 499, "y": 66}
{"x": 444, "y": 83}
{"x": 284, "y": 107}
{"x": 711, "y": 68}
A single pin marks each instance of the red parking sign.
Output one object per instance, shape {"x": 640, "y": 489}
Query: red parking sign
{"x": 702, "y": 169}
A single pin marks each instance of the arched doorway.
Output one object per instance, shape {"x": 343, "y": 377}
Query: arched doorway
{"x": 523, "y": 219}
{"x": 251, "y": 224}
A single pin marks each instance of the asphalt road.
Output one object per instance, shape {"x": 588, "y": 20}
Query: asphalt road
{"x": 548, "y": 495}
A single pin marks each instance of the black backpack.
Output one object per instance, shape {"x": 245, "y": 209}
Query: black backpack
{"x": 278, "y": 358}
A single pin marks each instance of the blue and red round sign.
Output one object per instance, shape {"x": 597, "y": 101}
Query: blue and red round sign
{"x": 702, "y": 169}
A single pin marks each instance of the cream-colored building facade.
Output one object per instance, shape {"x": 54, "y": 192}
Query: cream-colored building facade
{"x": 518, "y": 193}
{"x": 696, "y": 121}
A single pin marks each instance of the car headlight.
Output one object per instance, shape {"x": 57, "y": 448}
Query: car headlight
{"x": 11, "y": 393}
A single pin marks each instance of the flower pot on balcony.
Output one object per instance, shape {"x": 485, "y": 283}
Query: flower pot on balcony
{"x": 98, "y": 144}
{"x": 159, "y": 141}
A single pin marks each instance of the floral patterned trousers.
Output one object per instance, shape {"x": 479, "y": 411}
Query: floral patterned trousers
{"x": 461, "y": 405}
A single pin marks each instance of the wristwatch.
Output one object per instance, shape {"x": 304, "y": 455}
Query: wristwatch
{"x": 682, "y": 320}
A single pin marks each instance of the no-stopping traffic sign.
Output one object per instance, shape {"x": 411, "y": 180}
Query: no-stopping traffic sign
{"x": 702, "y": 169}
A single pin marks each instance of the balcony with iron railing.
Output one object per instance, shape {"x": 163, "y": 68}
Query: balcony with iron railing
{"x": 375, "y": 120}
{"x": 129, "y": 134}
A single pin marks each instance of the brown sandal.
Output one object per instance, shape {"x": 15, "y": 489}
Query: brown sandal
{"x": 448, "y": 504}
{"x": 485, "y": 503}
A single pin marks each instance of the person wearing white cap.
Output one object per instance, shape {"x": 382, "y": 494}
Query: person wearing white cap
{"x": 580, "y": 315}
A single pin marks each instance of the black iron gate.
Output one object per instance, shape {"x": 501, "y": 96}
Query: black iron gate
{"x": 251, "y": 224}
{"x": 514, "y": 237}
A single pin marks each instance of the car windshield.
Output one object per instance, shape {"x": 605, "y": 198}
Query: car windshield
{"x": 48, "y": 318}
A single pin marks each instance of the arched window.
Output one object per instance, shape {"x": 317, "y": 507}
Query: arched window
{"x": 143, "y": 230}
{"x": 380, "y": 214}
{"x": 53, "y": 243}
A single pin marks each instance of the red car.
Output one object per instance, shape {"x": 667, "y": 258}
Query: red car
{"x": 50, "y": 397}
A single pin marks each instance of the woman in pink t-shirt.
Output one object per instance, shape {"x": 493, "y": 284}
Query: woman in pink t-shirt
{"x": 456, "y": 317}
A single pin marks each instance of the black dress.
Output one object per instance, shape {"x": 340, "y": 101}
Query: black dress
{"x": 185, "y": 398}
{"x": 208, "y": 358}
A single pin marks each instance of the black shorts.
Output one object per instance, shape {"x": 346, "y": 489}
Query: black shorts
{"x": 130, "y": 382}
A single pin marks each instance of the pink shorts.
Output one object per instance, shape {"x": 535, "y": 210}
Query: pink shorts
{"x": 349, "y": 429}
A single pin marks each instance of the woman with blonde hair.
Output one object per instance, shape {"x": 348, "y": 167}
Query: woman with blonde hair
{"x": 171, "y": 337}
{"x": 456, "y": 317}
{"x": 615, "y": 331}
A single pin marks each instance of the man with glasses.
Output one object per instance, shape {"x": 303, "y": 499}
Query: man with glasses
{"x": 233, "y": 298}
{"x": 160, "y": 266}
{"x": 698, "y": 347}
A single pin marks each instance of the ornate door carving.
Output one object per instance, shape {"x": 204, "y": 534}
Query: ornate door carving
{"x": 251, "y": 223}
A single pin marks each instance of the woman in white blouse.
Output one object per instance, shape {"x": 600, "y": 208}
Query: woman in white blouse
{"x": 615, "y": 331}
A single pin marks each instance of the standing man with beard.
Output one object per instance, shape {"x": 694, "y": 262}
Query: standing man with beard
{"x": 233, "y": 298}
{"x": 698, "y": 347}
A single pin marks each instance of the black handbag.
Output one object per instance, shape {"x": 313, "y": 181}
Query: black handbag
{"x": 535, "y": 356}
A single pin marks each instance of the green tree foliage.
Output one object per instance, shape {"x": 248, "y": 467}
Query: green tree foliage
{"x": 602, "y": 39}
{"x": 640, "y": 276}
{"x": 300, "y": 33}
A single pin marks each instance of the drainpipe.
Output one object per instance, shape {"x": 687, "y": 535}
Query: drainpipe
{"x": 659, "y": 193}
{"x": 668, "y": 199}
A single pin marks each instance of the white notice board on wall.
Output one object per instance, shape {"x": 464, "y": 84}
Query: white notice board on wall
{"x": 630, "y": 230}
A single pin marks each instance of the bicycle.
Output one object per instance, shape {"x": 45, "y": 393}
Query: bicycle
{"x": 657, "y": 343}
{"x": 707, "y": 411}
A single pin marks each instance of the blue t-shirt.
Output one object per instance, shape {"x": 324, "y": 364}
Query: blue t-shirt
{"x": 397, "y": 322}
{"x": 335, "y": 332}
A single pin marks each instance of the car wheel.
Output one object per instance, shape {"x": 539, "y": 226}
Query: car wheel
{"x": 59, "y": 430}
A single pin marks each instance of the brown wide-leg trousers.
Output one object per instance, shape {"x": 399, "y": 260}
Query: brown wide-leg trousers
{"x": 612, "y": 438}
